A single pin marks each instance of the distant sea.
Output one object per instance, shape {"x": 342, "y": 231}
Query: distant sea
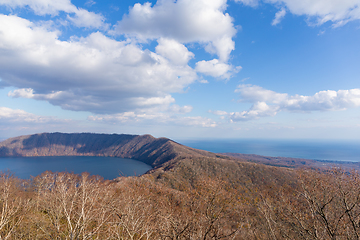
{"x": 339, "y": 150}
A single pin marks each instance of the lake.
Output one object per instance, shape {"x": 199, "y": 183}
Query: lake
{"x": 337, "y": 150}
{"x": 107, "y": 167}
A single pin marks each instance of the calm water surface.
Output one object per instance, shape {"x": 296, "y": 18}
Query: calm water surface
{"x": 308, "y": 149}
{"x": 107, "y": 167}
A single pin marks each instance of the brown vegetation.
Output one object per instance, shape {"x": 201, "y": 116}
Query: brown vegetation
{"x": 302, "y": 205}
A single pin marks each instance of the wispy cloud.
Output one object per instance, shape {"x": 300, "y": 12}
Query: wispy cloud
{"x": 14, "y": 122}
{"x": 155, "y": 117}
{"x": 18, "y": 116}
{"x": 252, "y": 3}
{"x": 172, "y": 115}
{"x": 279, "y": 17}
{"x": 78, "y": 16}
{"x": 90, "y": 3}
{"x": 339, "y": 12}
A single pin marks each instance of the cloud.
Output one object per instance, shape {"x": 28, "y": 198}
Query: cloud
{"x": 278, "y": 17}
{"x": 197, "y": 121}
{"x": 258, "y": 110}
{"x": 321, "y": 32}
{"x": 268, "y": 103}
{"x": 203, "y": 81}
{"x": 15, "y": 122}
{"x": 324, "y": 101}
{"x": 84, "y": 18}
{"x": 177, "y": 109}
{"x": 93, "y": 73}
{"x": 12, "y": 116}
{"x": 253, "y": 93}
{"x": 186, "y": 21}
{"x": 339, "y": 12}
{"x": 23, "y": 93}
{"x": 90, "y": 3}
{"x": 168, "y": 116}
{"x": 251, "y": 3}
{"x": 105, "y": 76}
{"x": 321, "y": 101}
{"x": 173, "y": 114}
{"x": 159, "y": 114}
{"x": 174, "y": 51}
{"x": 81, "y": 18}
{"x": 215, "y": 68}
{"x": 218, "y": 113}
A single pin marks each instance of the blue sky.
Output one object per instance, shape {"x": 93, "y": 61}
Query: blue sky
{"x": 181, "y": 69}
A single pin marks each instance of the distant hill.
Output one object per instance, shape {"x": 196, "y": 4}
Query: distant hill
{"x": 145, "y": 148}
{"x": 293, "y": 162}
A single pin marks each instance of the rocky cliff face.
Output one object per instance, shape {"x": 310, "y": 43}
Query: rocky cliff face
{"x": 145, "y": 148}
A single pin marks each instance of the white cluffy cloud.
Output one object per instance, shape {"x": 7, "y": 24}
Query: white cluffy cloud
{"x": 268, "y": 103}
{"x": 80, "y": 17}
{"x": 339, "y": 12}
{"x": 176, "y": 52}
{"x": 104, "y": 76}
{"x": 94, "y": 73}
{"x": 215, "y": 68}
{"x": 186, "y": 21}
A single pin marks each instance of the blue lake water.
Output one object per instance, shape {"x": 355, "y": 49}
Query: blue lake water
{"x": 309, "y": 149}
{"x": 107, "y": 167}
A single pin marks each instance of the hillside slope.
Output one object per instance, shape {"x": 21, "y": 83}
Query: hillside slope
{"x": 187, "y": 172}
{"x": 145, "y": 148}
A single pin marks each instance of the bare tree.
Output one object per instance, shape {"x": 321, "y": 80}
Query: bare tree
{"x": 135, "y": 210}
{"x": 77, "y": 207}
{"x": 12, "y": 206}
{"x": 325, "y": 205}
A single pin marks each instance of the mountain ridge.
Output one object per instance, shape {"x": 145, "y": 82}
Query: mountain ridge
{"x": 144, "y": 148}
